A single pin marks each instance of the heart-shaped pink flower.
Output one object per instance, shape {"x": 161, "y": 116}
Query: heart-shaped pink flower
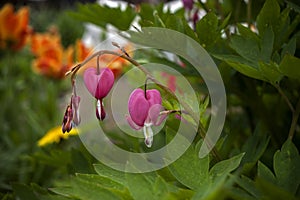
{"x": 99, "y": 86}
{"x": 144, "y": 111}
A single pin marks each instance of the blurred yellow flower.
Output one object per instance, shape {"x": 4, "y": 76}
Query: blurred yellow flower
{"x": 55, "y": 135}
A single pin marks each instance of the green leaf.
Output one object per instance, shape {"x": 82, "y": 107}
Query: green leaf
{"x": 86, "y": 188}
{"x": 290, "y": 66}
{"x": 241, "y": 65}
{"x": 254, "y": 147}
{"x": 287, "y": 167}
{"x": 213, "y": 188}
{"x": 80, "y": 162}
{"x": 110, "y": 173}
{"x": 225, "y": 22}
{"x": 289, "y": 48}
{"x": 268, "y": 16}
{"x": 55, "y": 158}
{"x": 238, "y": 193}
{"x": 63, "y": 191}
{"x": 271, "y": 72}
{"x": 248, "y": 185}
{"x": 174, "y": 22}
{"x": 207, "y": 29}
{"x": 222, "y": 169}
{"x": 146, "y": 186}
{"x": 283, "y": 29}
{"x": 270, "y": 191}
{"x": 103, "y": 181}
{"x": 23, "y": 192}
{"x": 103, "y": 15}
{"x": 209, "y": 192}
{"x": 246, "y": 47}
{"x": 267, "y": 42}
{"x": 190, "y": 170}
{"x": 181, "y": 194}
{"x": 247, "y": 33}
{"x": 293, "y": 6}
{"x": 265, "y": 173}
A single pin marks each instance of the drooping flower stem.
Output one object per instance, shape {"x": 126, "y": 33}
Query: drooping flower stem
{"x": 201, "y": 130}
{"x": 98, "y": 65}
{"x": 145, "y": 86}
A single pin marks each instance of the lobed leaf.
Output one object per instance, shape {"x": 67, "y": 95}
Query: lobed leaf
{"x": 290, "y": 66}
{"x": 190, "y": 170}
{"x": 287, "y": 167}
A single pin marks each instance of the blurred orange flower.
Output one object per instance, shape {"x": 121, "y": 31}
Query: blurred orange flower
{"x": 13, "y": 27}
{"x": 52, "y": 60}
{"x": 82, "y": 51}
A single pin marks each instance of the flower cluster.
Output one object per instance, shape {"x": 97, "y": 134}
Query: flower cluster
{"x": 52, "y": 60}
{"x": 144, "y": 106}
{"x": 14, "y": 27}
{"x": 98, "y": 81}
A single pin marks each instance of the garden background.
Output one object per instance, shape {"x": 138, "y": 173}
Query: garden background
{"x": 254, "y": 43}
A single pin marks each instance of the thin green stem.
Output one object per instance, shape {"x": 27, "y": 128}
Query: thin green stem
{"x": 294, "y": 121}
{"x": 98, "y": 64}
{"x": 286, "y": 99}
{"x": 145, "y": 87}
{"x": 249, "y": 15}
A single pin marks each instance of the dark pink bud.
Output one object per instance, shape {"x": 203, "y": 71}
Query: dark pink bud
{"x": 98, "y": 85}
{"x": 188, "y": 4}
{"x": 67, "y": 120}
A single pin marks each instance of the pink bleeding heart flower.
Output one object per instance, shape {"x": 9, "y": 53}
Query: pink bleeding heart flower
{"x": 99, "y": 86}
{"x": 144, "y": 111}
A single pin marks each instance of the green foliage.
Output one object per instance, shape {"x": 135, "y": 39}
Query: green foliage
{"x": 282, "y": 184}
{"x": 103, "y": 15}
{"x": 256, "y": 47}
{"x": 290, "y": 66}
{"x": 69, "y": 29}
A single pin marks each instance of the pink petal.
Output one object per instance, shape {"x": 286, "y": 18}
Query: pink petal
{"x": 98, "y": 85}
{"x": 154, "y": 114}
{"x": 91, "y": 80}
{"x": 153, "y": 97}
{"x": 75, "y": 104}
{"x": 138, "y": 107}
{"x": 105, "y": 83}
{"x": 132, "y": 124}
{"x": 177, "y": 116}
